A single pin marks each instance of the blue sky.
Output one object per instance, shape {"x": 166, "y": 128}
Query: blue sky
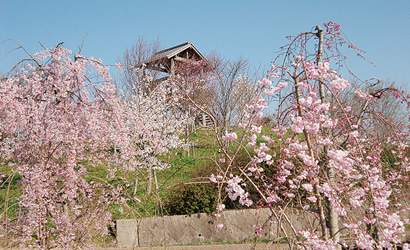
{"x": 253, "y": 30}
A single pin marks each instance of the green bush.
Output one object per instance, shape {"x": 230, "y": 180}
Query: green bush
{"x": 192, "y": 198}
{"x": 203, "y": 198}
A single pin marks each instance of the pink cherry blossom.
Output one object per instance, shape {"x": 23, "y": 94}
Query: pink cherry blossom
{"x": 230, "y": 136}
{"x": 265, "y": 82}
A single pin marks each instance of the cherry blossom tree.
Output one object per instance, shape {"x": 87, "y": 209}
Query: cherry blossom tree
{"x": 320, "y": 158}
{"x": 156, "y": 122}
{"x": 59, "y": 118}
{"x": 62, "y": 117}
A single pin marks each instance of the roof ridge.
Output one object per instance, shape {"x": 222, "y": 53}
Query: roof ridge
{"x": 180, "y": 45}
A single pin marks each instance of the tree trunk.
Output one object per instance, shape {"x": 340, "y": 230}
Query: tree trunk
{"x": 149, "y": 180}
{"x": 333, "y": 217}
{"x": 136, "y": 182}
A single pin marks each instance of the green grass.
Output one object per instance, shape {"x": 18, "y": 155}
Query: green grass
{"x": 10, "y": 190}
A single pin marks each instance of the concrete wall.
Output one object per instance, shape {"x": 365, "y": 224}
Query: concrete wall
{"x": 183, "y": 229}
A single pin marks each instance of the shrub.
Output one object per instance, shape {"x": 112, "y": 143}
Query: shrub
{"x": 193, "y": 198}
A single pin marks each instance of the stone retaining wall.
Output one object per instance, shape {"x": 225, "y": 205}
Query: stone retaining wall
{"x": 197, "y": 228}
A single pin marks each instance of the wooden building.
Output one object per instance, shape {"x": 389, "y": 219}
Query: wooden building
{"x": 167, "y": 60}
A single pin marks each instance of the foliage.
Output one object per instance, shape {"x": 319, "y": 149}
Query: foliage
{"x": 192, "y": 198}
{"x": 197, "y": 195}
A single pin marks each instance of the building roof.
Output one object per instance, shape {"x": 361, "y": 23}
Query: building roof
{"x": 172, "y": 52}
{"x": 161, "y": 61}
